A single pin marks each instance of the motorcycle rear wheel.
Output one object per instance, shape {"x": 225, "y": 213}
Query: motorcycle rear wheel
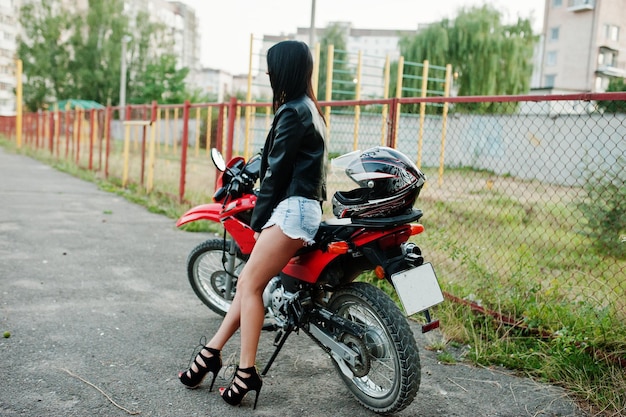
{"x": 390, "y": 364}
{"x": 206, "y": 270}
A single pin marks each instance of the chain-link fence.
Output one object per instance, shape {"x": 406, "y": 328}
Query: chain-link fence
{"x": 525, "y": 204}
{"x": 524, "y": 207}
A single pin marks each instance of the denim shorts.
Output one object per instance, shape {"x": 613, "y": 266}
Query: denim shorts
{"x": 298, "y": 218}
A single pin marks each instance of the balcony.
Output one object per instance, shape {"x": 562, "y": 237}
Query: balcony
{"x": 611, "y": 71}
{"x": 580, "y": 5}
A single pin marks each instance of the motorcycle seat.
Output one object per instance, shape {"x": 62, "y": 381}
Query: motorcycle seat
{"x": 333, "y": 227}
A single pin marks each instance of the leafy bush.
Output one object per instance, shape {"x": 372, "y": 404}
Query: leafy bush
{"x": 604, "y": 208}
{"x": 614, "y": 106}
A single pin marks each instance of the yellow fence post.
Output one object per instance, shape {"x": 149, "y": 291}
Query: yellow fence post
{"x": 444, "y": 123}
{"x": 357, "y": 96}
{"x": 151, "y": 158}
{"x": 105, "y": 134}
{"x": 420, "y": 140}
{"x": 76, "y": 135}
{"x": 237, "y": 135}
{"x": 19, "y": 105}
{"x": 67, "y": 129}
{"x": 57, "y": 129}
{"x": 385, "y": 112}
{"x": 398, "y": 95}
{"x": 329, "y": 88}
{"x": 316, "y": 68}
{"x": 126, "y": 154}
{"x": 197, "y": 143}
{"x": 209, "y": 127}
{"x": 167, "y": 135}
{"x": 136, "y": 131}
{"x": 175, "y": 135}
{"x": 41, "y": 124}
{"x": 268, "y": 118}
{"x": 93, "y": 130}
{"x": 248, "y": 100}
{"x": 157, "y": 130}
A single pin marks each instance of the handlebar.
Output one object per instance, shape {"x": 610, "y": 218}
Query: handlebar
{"x": 238, "y": 178}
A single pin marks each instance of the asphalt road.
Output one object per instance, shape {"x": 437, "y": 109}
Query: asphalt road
{"x": 93, "y": 291}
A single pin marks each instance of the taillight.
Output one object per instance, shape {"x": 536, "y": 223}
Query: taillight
{"x": 338, "y": 248}
{"x": 380, "y": 272}
{"x": 416, "y": 229}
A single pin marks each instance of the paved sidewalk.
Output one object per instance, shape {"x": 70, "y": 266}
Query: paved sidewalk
{"x": 93, "y": 290}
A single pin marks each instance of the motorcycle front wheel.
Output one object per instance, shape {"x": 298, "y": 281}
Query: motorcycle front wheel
{"x": 388, "y": 375}
{"x": 211, "y": 276}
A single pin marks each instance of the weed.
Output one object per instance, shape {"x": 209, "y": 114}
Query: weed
{"x": 446, "y": 358}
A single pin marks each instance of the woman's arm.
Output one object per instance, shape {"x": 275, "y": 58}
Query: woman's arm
{"x": 288, "y": 133}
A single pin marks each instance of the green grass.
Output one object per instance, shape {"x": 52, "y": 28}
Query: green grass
{"x": 543, "y": 273}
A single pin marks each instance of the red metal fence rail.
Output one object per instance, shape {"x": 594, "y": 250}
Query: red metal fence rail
{"x": 524, "y": 205}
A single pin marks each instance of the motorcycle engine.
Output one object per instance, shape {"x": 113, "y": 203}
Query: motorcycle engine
{"x": 276, "y": 299}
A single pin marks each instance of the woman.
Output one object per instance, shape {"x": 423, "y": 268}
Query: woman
{"x": 286, "y": 216}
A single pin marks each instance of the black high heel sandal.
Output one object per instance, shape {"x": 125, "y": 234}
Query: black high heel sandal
{"x": 234, "y": 394}
{"x": 213, "y": 363}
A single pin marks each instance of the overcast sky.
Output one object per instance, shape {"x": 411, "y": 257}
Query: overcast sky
{"x": 226, "y": 25}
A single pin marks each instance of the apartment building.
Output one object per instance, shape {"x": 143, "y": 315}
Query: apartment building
{"x": 9, "y": 30}
{"x": 373, "y": 46}
{"x": 584, "y": 44}
{"x": 182, "y": 26}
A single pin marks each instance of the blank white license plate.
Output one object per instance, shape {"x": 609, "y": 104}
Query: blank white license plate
{"x": 417, "y": 288}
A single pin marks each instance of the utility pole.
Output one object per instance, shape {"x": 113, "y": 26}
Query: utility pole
{"x": 125, "y": 40}
{"x": 312, "y": 27}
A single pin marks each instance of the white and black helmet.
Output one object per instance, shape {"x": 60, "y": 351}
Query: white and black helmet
{"x": 389, "y": 183}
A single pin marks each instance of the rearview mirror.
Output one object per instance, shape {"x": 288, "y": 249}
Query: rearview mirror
{"x": 218, "y": 159}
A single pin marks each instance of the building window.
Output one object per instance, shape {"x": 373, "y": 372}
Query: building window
{"x": 551, "y": 58}
{"x": 557, "y": 3}
{"x": 611, "y": 32}
{"x": 549, "y": 80}
{"x": 607, "y": 57}
{"x": 602, "y": 83}
{"x": 554, "y": 34}
{"x": 576, "y": 3}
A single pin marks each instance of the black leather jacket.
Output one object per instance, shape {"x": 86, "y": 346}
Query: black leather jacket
{"x": 293, "y": 161}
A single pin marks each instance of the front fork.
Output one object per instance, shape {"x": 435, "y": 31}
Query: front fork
{"x": 228, "y": 260}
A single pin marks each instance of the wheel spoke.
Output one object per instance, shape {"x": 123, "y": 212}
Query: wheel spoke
{"x": 380, "y": 378}
{"x": 208, "y": 277}
{"x": 389, "y": 365}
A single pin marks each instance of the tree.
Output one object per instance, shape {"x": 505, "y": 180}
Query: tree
{"x": 96, "y": 44}
{"x": 432, "y": 42}
{"x": 44, "y": 53}
{"x": 491, "y": 58}
{"x": 160, "y": 81}
{"x": 614, "y": 106}
{"x": 68, "y": 53}
{"x": 343, "y": 87}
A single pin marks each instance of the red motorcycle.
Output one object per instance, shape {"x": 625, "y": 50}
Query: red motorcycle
{"x": 356, "y": 323}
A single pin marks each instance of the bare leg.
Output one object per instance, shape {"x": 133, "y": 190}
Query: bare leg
{"x": 230, "y": 324}
{"x": 270, "y": 255}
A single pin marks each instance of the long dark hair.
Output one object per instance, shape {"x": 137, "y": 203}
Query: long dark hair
{"x": 290, "y": 67}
